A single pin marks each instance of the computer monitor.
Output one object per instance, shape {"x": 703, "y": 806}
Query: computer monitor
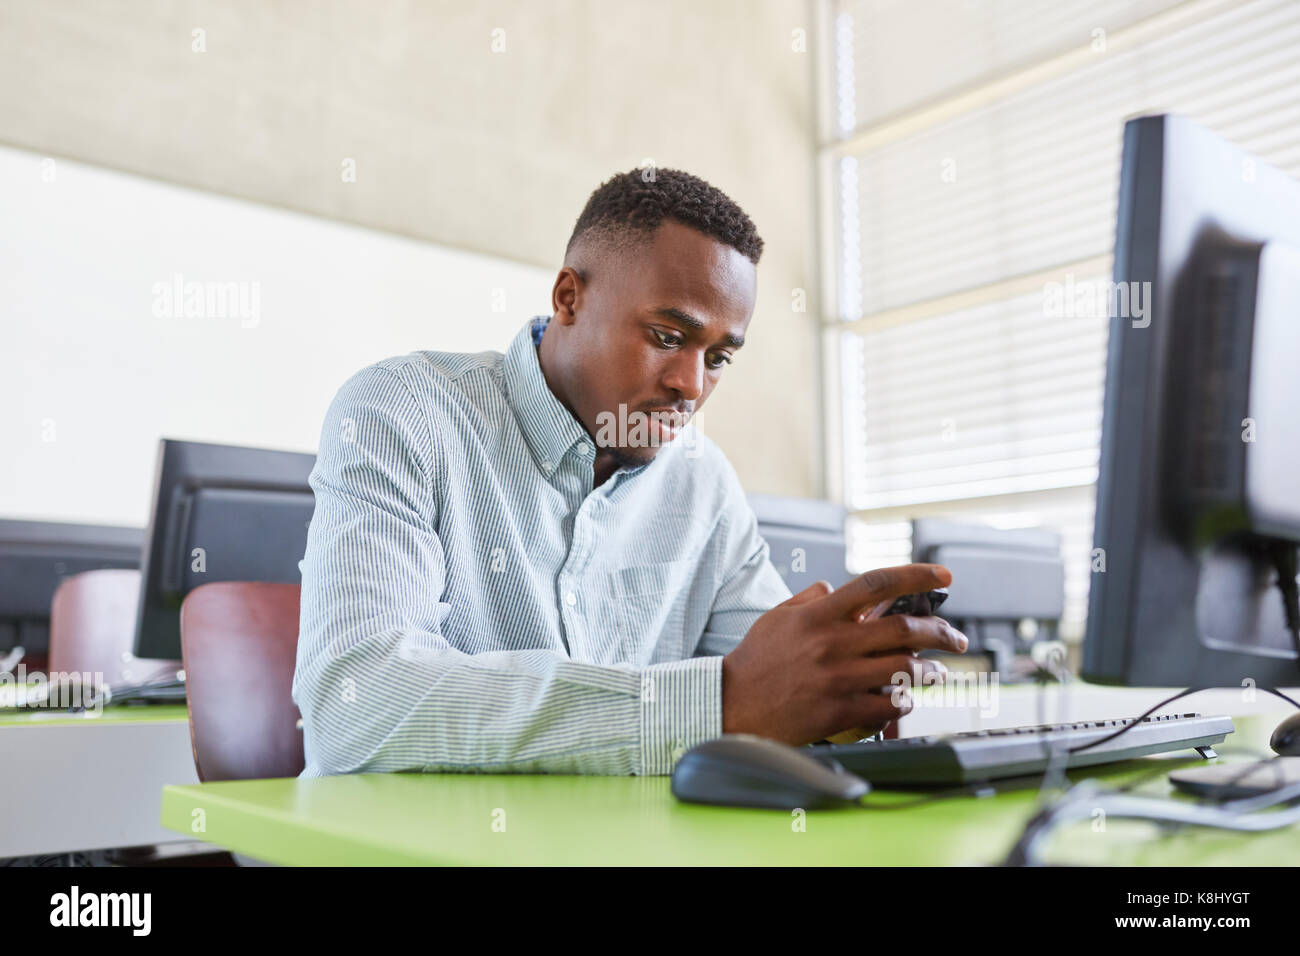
{"x": 34, "y": 557}
{"x": 1196, "y": 501}
{"x": 805, "y": 538}
{"x": 220, "y": 513}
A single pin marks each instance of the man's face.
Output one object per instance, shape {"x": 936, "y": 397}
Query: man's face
{"x": 652, "y": 335}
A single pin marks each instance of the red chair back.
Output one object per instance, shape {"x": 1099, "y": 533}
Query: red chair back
{"x": 92, "y": 628}
{"x": 239, "y": 643}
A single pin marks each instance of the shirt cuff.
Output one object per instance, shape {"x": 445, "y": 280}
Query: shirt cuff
{"x": 681, "y": 706}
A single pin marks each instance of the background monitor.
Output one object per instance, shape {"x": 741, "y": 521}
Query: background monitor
{"x": 1201, "y": 423}
{"x": 220, "y": 513}
{"x": 1002, "y": 579}
{"x": 34, "y": 557}
{"x": 805, "y": 537}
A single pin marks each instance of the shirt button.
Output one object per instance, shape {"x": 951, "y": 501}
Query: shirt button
{"x": 570, "y": 599}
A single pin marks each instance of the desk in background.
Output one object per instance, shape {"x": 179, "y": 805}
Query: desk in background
{"x": 89, "y": 781}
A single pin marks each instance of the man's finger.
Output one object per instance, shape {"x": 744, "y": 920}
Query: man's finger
{"x": 882, "y": 584}
{"x": 871, "y": 612}
{"x": 900, "y": 671}
{"x": 877, "y": 710}
{"x": 899, "y": 632}
{"x": 814, "y": 591}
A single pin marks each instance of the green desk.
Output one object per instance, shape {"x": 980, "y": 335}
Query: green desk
{"x": 89, "y": 781}
{"x": 560, "y": 820}
{"x": 109, "y": 716}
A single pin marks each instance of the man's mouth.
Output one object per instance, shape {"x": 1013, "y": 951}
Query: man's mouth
{"x": 667, "y": 421}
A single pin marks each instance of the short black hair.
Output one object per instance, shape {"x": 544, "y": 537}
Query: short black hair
{"x": 629, "y": 207}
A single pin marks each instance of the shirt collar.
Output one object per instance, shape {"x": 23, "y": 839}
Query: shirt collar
{"x": 549, "y": 428}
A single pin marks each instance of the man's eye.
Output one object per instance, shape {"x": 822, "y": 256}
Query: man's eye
{"x": 723, "y": 360}
{"x": 669, "y": 341}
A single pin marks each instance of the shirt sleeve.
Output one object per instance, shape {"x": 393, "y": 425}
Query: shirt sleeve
{"x": 381, "y": 688}
{"x": 752, "y": 586}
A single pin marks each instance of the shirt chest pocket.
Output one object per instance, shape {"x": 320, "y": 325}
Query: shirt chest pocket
{"x": 650, "y": 610}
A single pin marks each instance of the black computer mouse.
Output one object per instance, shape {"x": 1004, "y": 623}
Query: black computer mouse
{"x": 744, "y": 770}
{"x": 1286, "y": 737}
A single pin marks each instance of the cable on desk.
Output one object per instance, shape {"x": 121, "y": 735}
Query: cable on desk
{"x": 1086, "y": 797}
{"x": 168, "y": 685}
{"x": 1054, "y": 772}
{"x": 1169, "y": 700}
{"x": 1223, "y": 815}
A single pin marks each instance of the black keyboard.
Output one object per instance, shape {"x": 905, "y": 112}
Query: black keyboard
{"x": 980, "y": 755}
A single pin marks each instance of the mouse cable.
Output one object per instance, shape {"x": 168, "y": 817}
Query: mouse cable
{"x": 1057, "y": 766}
{"x": 1169, "y": 700}
{"x": 1223, "y": 810}
{"x": 1054, "y": 774}
{"x": 1084, "y": 799}
{"x": 990, "y": 787}
{"x": 1213, "y": 797}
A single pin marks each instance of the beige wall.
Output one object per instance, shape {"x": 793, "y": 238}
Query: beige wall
{"x": 488, "y": 151}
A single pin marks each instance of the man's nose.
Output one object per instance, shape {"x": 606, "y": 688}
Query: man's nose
{"x": 685, "y": 375}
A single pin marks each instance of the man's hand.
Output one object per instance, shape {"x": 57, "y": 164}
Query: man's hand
{"x": 821, "y": 662}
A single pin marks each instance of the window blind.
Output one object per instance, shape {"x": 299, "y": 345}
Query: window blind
{"x": 973, "y": 151}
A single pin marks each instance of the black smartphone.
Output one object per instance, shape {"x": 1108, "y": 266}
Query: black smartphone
{"x": 921, "y": 605}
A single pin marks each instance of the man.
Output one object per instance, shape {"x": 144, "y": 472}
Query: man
{"x": 517, "y": 563}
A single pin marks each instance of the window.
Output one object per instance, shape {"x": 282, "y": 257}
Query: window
{"x": 970, "y": 162}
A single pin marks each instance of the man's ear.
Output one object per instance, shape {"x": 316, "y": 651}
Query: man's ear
{"x": 564, "y": 295}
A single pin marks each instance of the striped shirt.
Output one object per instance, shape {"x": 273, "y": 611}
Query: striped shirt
{"x": 471, "y": 603}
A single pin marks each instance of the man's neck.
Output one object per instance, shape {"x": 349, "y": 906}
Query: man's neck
{"x": 604, "y": 466}
{"x": 606, "y": 462}
{"x": 546, "y": 358}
